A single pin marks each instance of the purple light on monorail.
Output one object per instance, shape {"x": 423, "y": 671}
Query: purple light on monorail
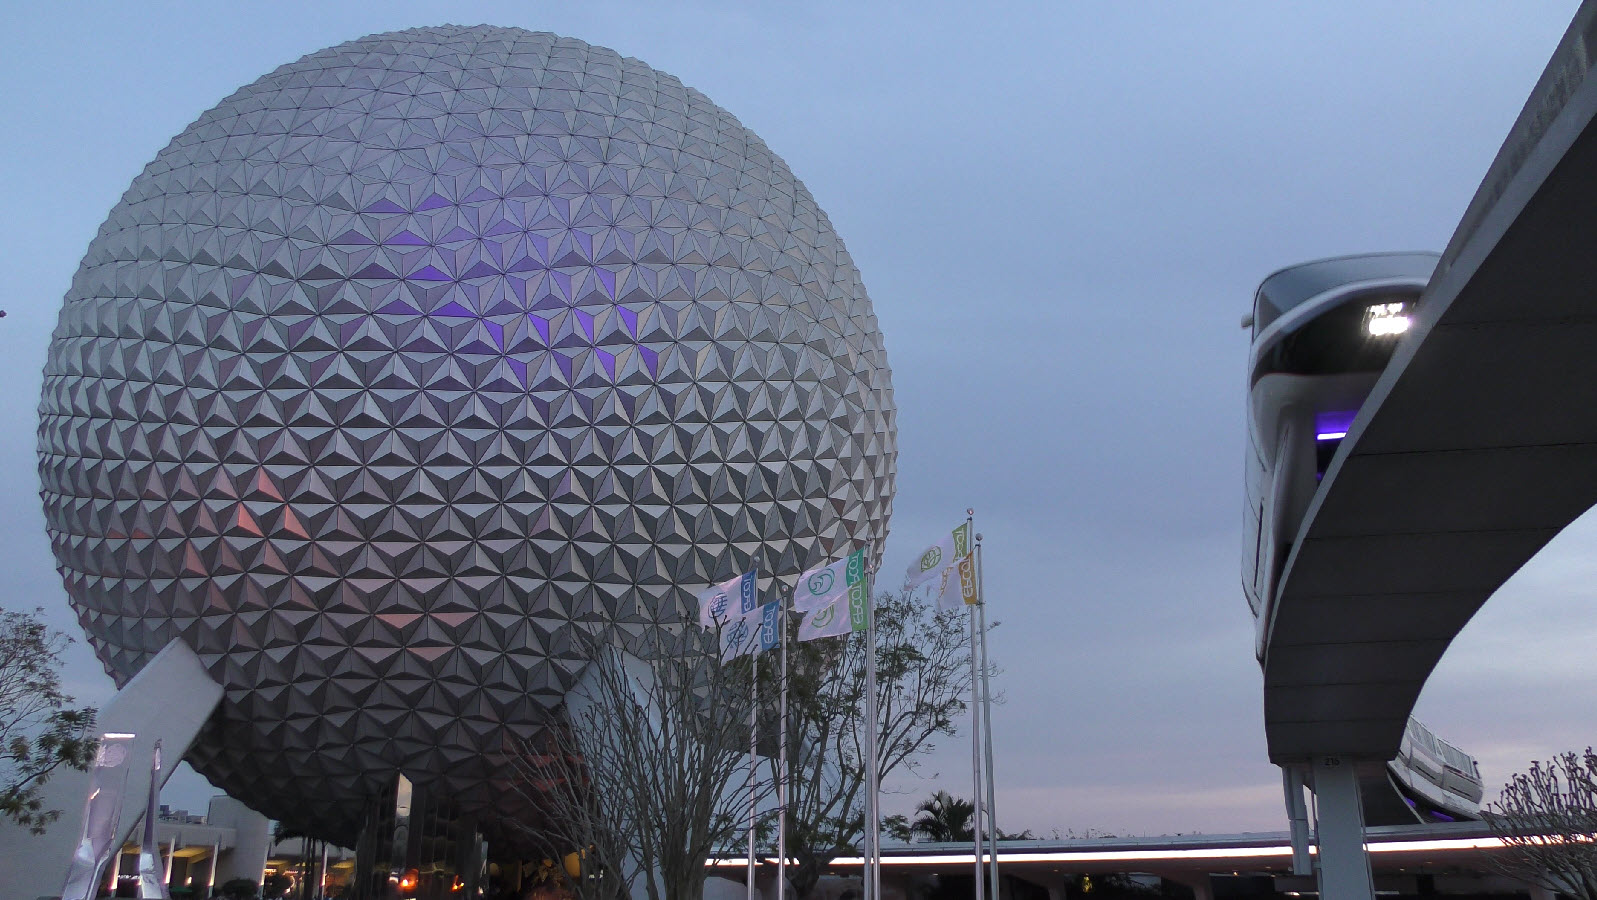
{"x": 1333, "y": 426}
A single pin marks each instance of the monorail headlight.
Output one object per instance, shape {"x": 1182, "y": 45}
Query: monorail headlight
{"x": 1385, "y": 319}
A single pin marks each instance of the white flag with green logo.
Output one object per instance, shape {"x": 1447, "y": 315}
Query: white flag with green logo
{"x": 819, "y": 587}
{"x": 835, "y": 599}
{"x": 958, "y": 587}
{"x": 939, "y": 556}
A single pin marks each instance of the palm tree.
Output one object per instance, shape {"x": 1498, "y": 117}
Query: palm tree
{"x": 944, "y": 819}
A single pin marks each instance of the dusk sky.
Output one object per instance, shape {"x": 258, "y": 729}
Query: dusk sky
{"x": 1061, "y": 211}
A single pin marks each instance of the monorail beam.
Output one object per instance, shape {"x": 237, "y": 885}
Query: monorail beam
{"x": 1477, "y": 445}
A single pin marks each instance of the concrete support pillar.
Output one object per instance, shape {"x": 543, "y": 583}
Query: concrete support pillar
{"x": 1202, "y": 886}
{"x": 248, "y": 856}
{"x": 1344, "y": 866}
{"x": 1051, "y": 882}
{"x": 1292, "y": 780}
{"x": 719, "y": 888}
{"x": 1537, "y": 892}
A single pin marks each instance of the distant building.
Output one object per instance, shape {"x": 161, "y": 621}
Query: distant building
{"x": 201, "y": 853}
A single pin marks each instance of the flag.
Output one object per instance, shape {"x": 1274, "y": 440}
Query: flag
{"x": 938, "y": 557}
{"x": 830, "y": 620}
{"x": 740, "y": 636}
{"x": 820, "y": 587}
{"x": 836, "y": 598}
{"x": 958, "y": 586}
{"x": 753, "y": 633}
{"x": 733, "y": 607}
{"x": 770, "y": 621}
{"x": 729, "y": 600}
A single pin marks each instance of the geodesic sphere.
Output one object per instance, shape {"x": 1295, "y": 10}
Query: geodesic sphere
{"x": 415, "y": 355}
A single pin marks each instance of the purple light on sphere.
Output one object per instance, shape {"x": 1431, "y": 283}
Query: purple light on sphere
{"x": 420, "y": 353}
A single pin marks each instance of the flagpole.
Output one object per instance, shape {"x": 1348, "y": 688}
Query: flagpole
{"x": 876, "y": 778}
{"x": 873, "y": 858}
{"x": 975, "y": 729}
{"x": 754, "y": 710}
{"x": 987, "y": 721}
{"x": 781, "y": 766}
{"x": 754, "y": 699}
{"x": 975, "y": 753}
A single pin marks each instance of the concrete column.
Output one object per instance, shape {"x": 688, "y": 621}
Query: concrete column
{"x": 210, "y": 879}
{"x": 1537, "y": 892}
{"x": 248, "y": 856}
{"x": 1344, "y": 866}
{"x": 1292, "y": 779}
{"x": 1202, "y": 886}
{"x": 719, "y": 888}
{"x": 171, "y": 853}
{"x": 1052, "y": 882}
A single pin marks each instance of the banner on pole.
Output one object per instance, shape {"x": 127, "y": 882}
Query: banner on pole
{"x": 733, "y": 607}
{"x": 939, "y": 557}
{"x": 770, "y": 623}
{"x": 859, "y": 603}
{"x": 741, "y": 635}
{"x": 823, "y": 586}
{"x": 730, "y": 600}
{"x": 836, "y": 598}
{"x": 958, "y": 587}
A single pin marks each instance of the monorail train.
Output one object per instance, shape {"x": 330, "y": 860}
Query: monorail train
{"x": 1436, "y": 780}
{"x": 1323, "y": 332}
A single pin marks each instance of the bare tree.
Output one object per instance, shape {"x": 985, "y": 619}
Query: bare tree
{"x": 39, "y": 731}
{"x": 1547, "y": 820}
{"x": 647, "y": 777}
{"x": 923, "y": 674}
{"x": 576, "y": 818}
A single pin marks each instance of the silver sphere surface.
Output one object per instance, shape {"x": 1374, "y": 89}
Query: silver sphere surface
{"x": 417, "y": 355}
